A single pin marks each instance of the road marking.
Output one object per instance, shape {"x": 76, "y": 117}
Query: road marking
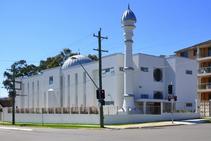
{"x": 15, "y": 128}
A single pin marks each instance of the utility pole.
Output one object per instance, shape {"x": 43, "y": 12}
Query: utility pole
{"x": 13, "y": 94}
{"x": 101, "y": 99}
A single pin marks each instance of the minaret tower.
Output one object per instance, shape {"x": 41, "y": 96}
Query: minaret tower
{"x": 128, "y": 24}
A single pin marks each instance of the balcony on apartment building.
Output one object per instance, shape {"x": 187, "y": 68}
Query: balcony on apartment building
{"x": 204, "y": 71}
{"x": 204, "y": 87}
{"x": 205, "y": 54}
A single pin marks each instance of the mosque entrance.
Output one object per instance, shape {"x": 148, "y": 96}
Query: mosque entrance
{"x": 149, "y": 107}
{"x": 153, "y": 108}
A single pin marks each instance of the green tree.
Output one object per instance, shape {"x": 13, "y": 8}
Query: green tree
{"x": 93, "y": 57}
{"x": 59, "y": 59}
{"x": 19, "y": 68}
{"x": 23, "y": 69}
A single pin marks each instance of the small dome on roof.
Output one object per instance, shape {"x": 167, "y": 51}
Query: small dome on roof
{"x": 128, "y": 15}
{"x": 75, "y": 60}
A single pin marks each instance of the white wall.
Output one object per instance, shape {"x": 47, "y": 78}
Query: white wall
{"x": 144, "y": 82}
{"x": 137, "y": 118}
{"x": 112, "y": 82}
{"x": 186, "y": 84}
{"x": 94, "y": 119}
{"x": 1, "y": 113}
{"x": 37, "y": 95}
{"x": 53, "y": 118}
{"x": 173, "y": 70}
{"x": 170, "y": 74}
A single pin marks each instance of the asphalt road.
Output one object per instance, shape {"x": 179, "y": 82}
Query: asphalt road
{"x": 199, "y": 132}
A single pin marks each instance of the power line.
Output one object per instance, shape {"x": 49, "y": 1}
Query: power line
{"x": 78, "y": 41}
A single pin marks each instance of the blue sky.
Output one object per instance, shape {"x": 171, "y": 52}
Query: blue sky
{"x": 35, "y": 29}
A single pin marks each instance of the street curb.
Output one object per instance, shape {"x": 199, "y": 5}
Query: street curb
{"x": 145, "y": 127}
{"x": 178, "y": 124}
{"x": 162, "y": 126}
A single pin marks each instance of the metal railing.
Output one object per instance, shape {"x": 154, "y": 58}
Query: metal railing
{"x": 205, "y": 108}
{"x": 57, "y": 110}
{"x": 204, "y": 55}
{"x": 204, "y": 70}
{"x": 204, "y": 86}
{"x": 152, "y": 108}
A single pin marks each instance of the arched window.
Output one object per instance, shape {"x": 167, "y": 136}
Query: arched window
{"x": 158, "y": 95}
{"x": 157, "y": 74}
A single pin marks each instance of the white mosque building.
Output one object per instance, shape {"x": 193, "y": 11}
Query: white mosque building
{"x": 133, "y": 83}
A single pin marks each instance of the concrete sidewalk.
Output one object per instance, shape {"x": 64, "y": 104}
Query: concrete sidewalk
{"x": 125, "y": 126}
{"x": 157, "y": 124}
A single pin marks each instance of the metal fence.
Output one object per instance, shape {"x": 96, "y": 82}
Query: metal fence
{"x": 205, "y": 108}
{"x": 56, "y": 110}
{"x": 155, "y": 108}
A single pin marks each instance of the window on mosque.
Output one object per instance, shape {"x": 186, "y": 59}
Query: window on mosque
{"x": 50, "y": 80}
{"x": 189, "y": 104}
{"x": 121, "y": 68}
{"x": 189, "y": 72}
{"x": 109, "y": 102}
{"x": 145, "y": 96}
{"x": 144, "y": 69}
{"x": 108, "y": 71}
{"x": 158, "y": 95}
{"x": 157, "y": 74}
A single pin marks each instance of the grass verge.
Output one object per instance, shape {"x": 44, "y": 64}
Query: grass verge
{"x": 208, "y": 119}
{"x": 52, "y": 125}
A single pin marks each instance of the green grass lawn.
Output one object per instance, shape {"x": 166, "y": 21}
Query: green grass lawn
{"x": 208, "y": 119}
{"x": 52, "y": 125}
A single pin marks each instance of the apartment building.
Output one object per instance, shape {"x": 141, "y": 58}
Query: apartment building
{"x": 202, "y": 53}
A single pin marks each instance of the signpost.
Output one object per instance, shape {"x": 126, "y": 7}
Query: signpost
{"x": 171, "y": 98}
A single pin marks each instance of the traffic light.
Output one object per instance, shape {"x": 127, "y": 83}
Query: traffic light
{"x": 170, "y": 89}
{"x": 100, "y": 94}
{"x": 175, "y": 98}
{"x": 172, "y": 97}
{"x": 169, "y": 98}
{"x": 102, "y": 101}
